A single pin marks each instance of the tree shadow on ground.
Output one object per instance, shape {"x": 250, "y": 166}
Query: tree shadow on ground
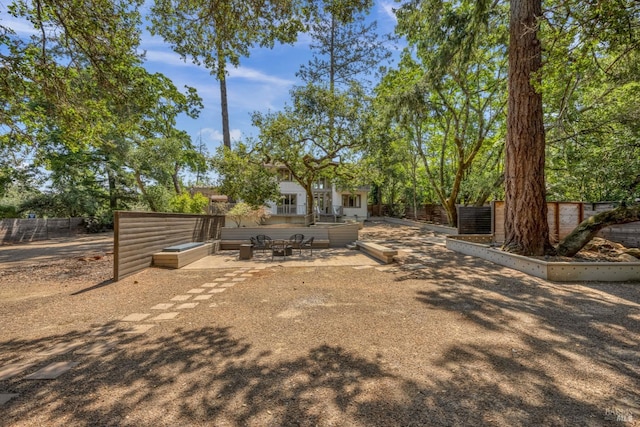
{"x": 206, "y": 376}
{"x": 587, "y": 334}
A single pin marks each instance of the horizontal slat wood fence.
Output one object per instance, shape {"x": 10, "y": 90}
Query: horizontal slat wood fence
{"x": 474, "y": 220}
{"x": 15, "y": 230}
{"x": 138, "y": 235}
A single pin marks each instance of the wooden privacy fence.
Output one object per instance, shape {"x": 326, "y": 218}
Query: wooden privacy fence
{"x": 562, "y": 217}
{"x": 138, "y": 235}
{"x": 15, "y": 230}
{"x": 475, "y": 219}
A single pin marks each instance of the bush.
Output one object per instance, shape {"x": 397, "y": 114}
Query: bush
{"x": 9, "y": 211}
{"x": 185, "y": 203}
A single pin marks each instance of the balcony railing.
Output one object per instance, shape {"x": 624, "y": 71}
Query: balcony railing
{"x": 291, "y": 210}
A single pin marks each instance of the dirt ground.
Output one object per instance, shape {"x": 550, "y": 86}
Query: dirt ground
{"x": 438, "y": 339}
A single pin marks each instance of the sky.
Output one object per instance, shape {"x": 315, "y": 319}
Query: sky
{"x": 261, "y": 83}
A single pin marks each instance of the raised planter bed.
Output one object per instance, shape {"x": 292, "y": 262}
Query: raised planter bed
{"x": 554, "y": 271}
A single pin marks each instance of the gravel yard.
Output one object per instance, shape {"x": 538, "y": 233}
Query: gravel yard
{"x": 437, "y": 339}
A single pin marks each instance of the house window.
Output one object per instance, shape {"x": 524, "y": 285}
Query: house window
{"x": 351, "y": 201}
{"x": 288, "y": 204}
{"x": 320, "y": 184}
{"x": 284, "y": 175}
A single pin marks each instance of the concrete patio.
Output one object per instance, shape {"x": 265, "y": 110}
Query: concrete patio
{"x": 320, "y": 258}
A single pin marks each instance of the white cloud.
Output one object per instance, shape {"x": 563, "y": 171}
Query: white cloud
{"x": 387, "y": 7}
{"x": 257, "y": 76}
{"x": 214, "y": 135}
{"x": 22, "y": 27}
{"x": 168, "y": 58}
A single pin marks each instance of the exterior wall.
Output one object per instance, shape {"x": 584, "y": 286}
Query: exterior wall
{"x": 290, "y": 187}
{"x": 361, "y": 212}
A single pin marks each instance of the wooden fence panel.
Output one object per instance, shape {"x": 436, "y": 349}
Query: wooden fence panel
{"x": 138, "y": 235}
{"x": 498, "y": 221}
{"x": 571, "y": 214}
{"x": 625, "y": 234}
{"x": 16, "y": 230}
{"x": 562, "y": 218}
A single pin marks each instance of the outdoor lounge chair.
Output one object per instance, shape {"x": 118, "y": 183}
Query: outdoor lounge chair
{"x": 307, "y": 244}
{"x": 296, "y": 241}
{"x": 261, "y": 242}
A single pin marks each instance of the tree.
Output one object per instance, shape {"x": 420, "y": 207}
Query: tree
{"x": 587, "y": 230}
{"x": 317, "y": 136}
{"x": 346, "y": 49}
{"x": 215, "y": 33}
{"x": 244, "y": 176}
{"x": 448, "y": 100}
{"x": 51, "y": 77}
{"x": 526, "y": 228}
{"x": 596, "y": 31}
{"x": 326, "y": 125}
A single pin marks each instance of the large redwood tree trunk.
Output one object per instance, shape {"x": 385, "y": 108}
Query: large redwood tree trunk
{"x": 526, "y": 228}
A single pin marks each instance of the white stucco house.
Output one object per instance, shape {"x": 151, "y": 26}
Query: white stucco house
{"x": 330, "y": 203}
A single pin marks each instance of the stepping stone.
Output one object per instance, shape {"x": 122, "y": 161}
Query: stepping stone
{"x": 139, "y": 329}
{"x": 13, "y": 369}
{"x": 164, "y": 306}
{"x": 5, "y": 397}
{"x": 96, "y": 348}
{"x": 228, "y": 285}
{"x": 254, "y": 271}
{"x": 196, "y": 291}
{"x": 231, "y": 274}
{"x": 209, "y": 285}
{"x": 188, "y": 305}
{"x": 167, "y": 316}
{"x": 384, "y": 268}
{"x": 202, "y": 297}
{"x": 220, "y": 279}
{"x": 60, "y": 348}
{"x": 136, "y": 317}
{"x": 215, "y": 304}
{"x": 240, "y": 279}
{"x": 217, "y": 290}
{"x": 363, "y": 267}
{"x": 245, "y": 275}
{"x": 52, "y": 371}
{"x": 181, "y": 298}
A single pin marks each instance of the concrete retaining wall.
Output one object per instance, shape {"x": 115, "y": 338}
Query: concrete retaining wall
{"x": 554, "y": 271}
